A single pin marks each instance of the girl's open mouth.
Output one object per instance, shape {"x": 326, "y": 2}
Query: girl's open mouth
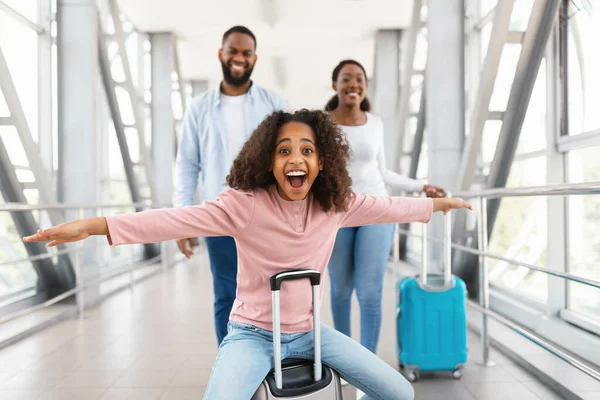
{"x": 296, "y": 178}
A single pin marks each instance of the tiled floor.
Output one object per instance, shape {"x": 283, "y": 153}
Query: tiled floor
{"x": 157, "y": 342}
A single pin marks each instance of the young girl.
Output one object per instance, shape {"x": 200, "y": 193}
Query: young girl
{"x": 361, "y": 253}
{"x": 290, "y": 193}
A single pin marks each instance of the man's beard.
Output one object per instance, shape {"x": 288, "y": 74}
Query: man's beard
{"x": 232, "y": 80}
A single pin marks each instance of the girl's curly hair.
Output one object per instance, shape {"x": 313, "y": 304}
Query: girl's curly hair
{"x": 331, "y": 188}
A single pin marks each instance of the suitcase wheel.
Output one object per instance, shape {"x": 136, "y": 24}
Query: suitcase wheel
{"x": 457, "y": 373}
{"x": 412, "y": 376}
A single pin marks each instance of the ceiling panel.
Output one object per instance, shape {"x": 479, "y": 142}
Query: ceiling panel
{"x": 299, "y": 41}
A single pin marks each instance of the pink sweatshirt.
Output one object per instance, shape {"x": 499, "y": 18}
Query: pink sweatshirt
{"x": 272, "y": 235}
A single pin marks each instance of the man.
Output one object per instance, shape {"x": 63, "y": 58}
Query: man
{"x": 216, "y": 125}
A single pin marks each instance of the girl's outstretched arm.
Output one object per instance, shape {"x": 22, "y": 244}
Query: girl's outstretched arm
{"x": 70, "y": 232}
{"x": 367, "y": 210}
{"x": 228, "y": 215}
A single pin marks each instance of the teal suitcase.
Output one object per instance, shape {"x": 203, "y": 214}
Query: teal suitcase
{"x": 431, "y": 319}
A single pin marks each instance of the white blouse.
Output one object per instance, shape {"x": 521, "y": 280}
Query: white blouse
{"x": 367, "y": 166}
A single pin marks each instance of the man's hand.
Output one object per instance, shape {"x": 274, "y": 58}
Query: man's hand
{"x": 183, "y": 246}
{"x": 434, "y": 191}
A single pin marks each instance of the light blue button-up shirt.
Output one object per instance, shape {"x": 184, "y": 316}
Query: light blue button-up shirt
{"x": 203, "y": 142}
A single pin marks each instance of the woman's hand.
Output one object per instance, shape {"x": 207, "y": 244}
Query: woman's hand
{"x": 70, "y": 232}
{"x": 447, "y": 204}
{"x": 433, "y": 191}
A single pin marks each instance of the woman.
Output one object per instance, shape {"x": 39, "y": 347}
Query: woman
{"x": 360, "y": 254}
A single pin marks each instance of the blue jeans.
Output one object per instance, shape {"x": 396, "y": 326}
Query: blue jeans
{"x": 222, "y": 253}
{"x": 246, "y": 357}
{"x": 358, "y": 262}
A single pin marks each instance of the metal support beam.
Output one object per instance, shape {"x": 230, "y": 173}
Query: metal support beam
{"x": 534, "y": 46}
{"x": 556, "y": 173}
{"x": 485, "y": 20}
{"x": 419, "y": 135}
{"x": 495, "y": 116}
{"x": 515, "y": 37}
{"x": 445, "y": 111}
{"x": 77, "y": 63}
{"x": 42, "y": 178}
{"x": 408, "y": 60}
{"x": 141, "y": 69}
{"x": 564, "y": 65}
{"x": 177, "y": 69}
{"x": 474, "y": 59}
{"x": 111, "y": 98}
{"x": 45, "y": 120}
{"x": 480, "y": 114}
{"x": 465, "y": 265}
{"x": 21, "y": 18}
{"x": 138, "y": 112}
{"x": 103, "y": 134}
{"x": 115, "y": 114}
{"x": 52, "y": 281}
{"x": 415, "y": 156}
{"x": 567, "y": 143}
{"x": 385, "y": 101}
{"x": 163, "y": 123}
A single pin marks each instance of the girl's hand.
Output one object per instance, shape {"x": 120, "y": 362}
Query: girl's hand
{"x": 447, "y": 204}
{"x": 70, "y": 232}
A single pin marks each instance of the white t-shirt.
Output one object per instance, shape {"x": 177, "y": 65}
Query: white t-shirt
{"x": 234, "y": 123}
{"x": 367, "y": 166}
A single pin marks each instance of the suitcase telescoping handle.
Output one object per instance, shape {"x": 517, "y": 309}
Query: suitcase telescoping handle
{"x": 315, "y": 281}
{"x": 447, "y": 264}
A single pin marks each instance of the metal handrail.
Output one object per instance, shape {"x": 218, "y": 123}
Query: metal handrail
{"x": 482, "y": 198}
{"x": 64, "y": 206}
{"x": 537, "y": 340}
{"x": 79, "y": 288}
{"x": 49, "y": 255}
{"x": 550, "y": 190}
{"x": 587, "y": 369}
{"x": 79, "y": 284}
{"x": 38, "y": 257}
{"x": 16, "y": 293}
{"x": 570, "y": 277}
{"x": 16, "y": 207}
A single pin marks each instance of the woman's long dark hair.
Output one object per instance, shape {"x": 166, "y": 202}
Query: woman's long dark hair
{"x": 334, "y": 102}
